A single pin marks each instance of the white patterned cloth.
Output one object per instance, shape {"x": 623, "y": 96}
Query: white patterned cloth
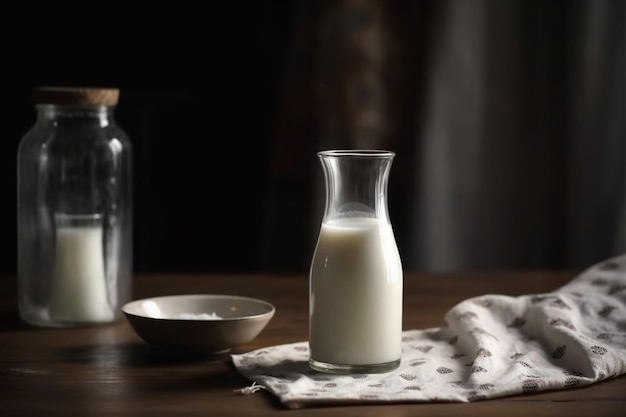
{"x": 489, "y": 346}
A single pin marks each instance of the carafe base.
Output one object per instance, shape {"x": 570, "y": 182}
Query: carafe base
{"x": 333, "y": 368}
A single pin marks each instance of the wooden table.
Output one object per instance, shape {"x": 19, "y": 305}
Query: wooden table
{"x": 108, "y": 370}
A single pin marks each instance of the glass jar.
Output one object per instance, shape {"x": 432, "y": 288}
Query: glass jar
{"x": 356, "y": 278}
{"x": 74, "y": 210}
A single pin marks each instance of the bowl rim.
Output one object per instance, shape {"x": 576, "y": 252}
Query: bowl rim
{"x": 269, "y": 313}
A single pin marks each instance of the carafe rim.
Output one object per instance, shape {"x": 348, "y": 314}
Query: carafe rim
{"x": 364, "y": 153}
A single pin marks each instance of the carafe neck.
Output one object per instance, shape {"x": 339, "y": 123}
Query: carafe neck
{"x": 356, "y": 183}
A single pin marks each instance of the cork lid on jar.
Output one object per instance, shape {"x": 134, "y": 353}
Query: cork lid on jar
{"x": 85, "y": 96}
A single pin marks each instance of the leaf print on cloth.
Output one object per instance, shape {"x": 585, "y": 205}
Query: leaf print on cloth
{"x": 541, "y": 298}
{"x": 606, "y": 311}
{"x": 558, "y": 303}
{"x": 482, "y": 352}
{"x": 517, "y": 322}
{"x": 530, "y": 385}
{"x": 424, "y": 349}
{"x": 616, "y": 289}
{"x": 475, "y": 396}
{"x": 559, "y": 352}
{"x": 483, "y": 302}
{"x": 467, "y": 315}
{"x": 476, "y": 369}
{"x": 598, "y": 350}
{"x": 573, "y": 373}
{"x": 505, "y": 346}
{"x": 609, "y": 266}
{"x": 524, "y": 364}
{"x": 481, "y": 331}
{"x": 571, "y": 382}
{"x": 563, "y": 323}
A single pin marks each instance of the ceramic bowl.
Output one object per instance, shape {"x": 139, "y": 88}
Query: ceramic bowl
{"x": 215, "y": 323}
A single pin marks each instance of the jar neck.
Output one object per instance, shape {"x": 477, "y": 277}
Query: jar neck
{"x": 67, "y": 114}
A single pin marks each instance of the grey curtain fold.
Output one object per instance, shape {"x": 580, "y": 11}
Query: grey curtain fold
{"x": 507, "y": 117}
{"x": 596, "y": 152}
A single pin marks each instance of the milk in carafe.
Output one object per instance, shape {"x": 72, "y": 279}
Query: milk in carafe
{"x": 356, "y": 294}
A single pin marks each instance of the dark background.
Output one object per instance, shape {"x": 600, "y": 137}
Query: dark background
{"x": 198, "y": 88}
{"x": 200, "y": 93}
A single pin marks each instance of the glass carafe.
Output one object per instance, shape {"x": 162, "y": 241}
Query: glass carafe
{"x": 356, "y": 278}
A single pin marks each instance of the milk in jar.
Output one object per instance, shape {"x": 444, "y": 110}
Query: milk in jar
{"x": 79, "y": 292}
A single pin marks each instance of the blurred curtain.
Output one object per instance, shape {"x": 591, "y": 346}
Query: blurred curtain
{"x": 507, "y": 118}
